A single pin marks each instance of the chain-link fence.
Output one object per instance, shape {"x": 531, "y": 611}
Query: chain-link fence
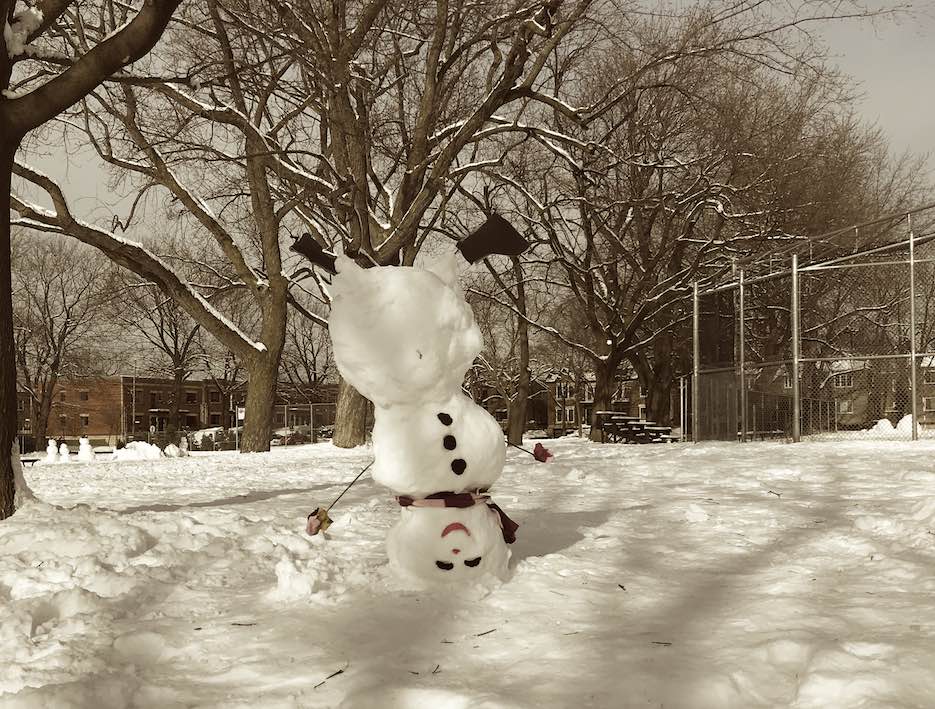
{"x": 822, "y": 346}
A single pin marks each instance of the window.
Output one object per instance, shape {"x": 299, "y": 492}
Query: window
{"x": 845, "y": 406}
{"x": 563, "y": 390}
{"x": 61, "y": 396}
{"x": 27, "y": 425}
{"x": 20, "y": 405}
{"x": 153, "y": 399}
{"x": 787, "y": 381}
{"x": 928, "y": 403}
{"x": 85, "y": 420}
{"x": 500, "y": 415}
{"x": 843, "y": 381}
{"x": 83, "y": 395}
{"x": 642, "y": 392}
{"x": 589, "y": 392}
{"x": 570, "y": 414}
{"x": 642, "y": 412}
{"x": 191, "y": 397}
{"x": 279, "y": 419}
{"x": 558, "y": 414}
{"x": 191, "y": 421}
{"x": 215, "y": 419}
{"x": 930, "y": 375}
{"x": 214, "y": 397}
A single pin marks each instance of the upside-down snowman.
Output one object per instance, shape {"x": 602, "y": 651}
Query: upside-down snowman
{"x": 404, "y": 338}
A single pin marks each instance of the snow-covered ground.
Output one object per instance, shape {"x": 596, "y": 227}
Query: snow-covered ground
{"x": 717, "y": 575}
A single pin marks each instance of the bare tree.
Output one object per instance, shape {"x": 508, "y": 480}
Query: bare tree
{"x": 351, "y": 122}
{"x": 692, "y": 164}
{"x": 307, "y": 362}
{"x": 169, "y": 331}
{"x": 506, "y": 365}
{"x": 43, "y": 71}
{"x": 60, "y": 294}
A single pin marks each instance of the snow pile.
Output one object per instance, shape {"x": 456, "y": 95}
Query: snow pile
{"x": 137, "y": 450}
{"x": 883, "y": 426}
{"x": 22, "y": 494}
{"x": 905, "y": 424}
{"x": 172, "y": 451}
{"x": 197, "y": 436}
{"x": 716, "y": 576}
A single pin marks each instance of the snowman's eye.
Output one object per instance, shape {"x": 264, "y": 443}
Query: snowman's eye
{"x": 445, "y": 566}
{"x": 472, "y": 562}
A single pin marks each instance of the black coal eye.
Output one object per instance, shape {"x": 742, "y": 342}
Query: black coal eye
{"x": 472, "y": 562}
{"x": 445, "y": 566}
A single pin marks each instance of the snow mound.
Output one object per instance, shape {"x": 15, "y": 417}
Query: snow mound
{"x": 409, "y": 697}
{"x": 883, "y": 426}
{"x": 137, "y": 450}
{"x": 905, "y": 424}
{"x": 172, "y": 451}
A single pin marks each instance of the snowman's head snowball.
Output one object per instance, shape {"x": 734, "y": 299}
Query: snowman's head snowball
{"x": 448, "y": 544}
{"x": 401, "y": 334}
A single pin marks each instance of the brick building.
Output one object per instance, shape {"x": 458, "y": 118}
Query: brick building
{"x": 557, "y": 402}
{"x": 108, "y": 409}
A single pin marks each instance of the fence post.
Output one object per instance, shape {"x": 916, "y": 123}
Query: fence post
{"x": 912, "y": 331}
{"x": 743, "y": 365}
{"x": 796, "y": 401}
{"x": 696, "y": 361}
{"x": 682, "y": 414}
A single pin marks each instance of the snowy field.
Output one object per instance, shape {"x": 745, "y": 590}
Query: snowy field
{"x": 764, "y": 575}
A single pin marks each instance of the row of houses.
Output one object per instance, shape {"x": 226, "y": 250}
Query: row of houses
{"x": 108, "y": 409}
{"x": 560, "y": 402}
{"x": 862, "y": 391}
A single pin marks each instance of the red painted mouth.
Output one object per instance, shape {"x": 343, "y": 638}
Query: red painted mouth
{"x": 454, "y": 527}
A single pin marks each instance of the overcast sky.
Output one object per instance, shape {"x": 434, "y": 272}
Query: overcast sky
{"x": 893, "y": 63}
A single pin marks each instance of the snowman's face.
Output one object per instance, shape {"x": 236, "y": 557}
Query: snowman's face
{"x": 401, "y": 334}
{"x": 445, "y": 545}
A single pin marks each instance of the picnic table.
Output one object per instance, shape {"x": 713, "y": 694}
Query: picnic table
{"x": 28, "y": 460}
{"x": 623, "y": 428}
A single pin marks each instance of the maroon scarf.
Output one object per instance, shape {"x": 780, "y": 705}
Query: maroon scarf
{"x": 463, "y": 500}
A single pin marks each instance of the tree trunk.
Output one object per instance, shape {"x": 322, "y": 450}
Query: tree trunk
{"x": 350, "y": 422}
{"x": 175, "y": 425}
{"x": 603, "y": 394}
{"x": 517, "y": 422}
{"x": 46, "y": 391}
{"x": 41, "y": 424}
{"x": 261, "y": 397}
{"x": 8, "y": 417}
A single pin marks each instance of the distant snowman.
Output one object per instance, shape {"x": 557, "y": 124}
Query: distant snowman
{"x": 51, "y": 452}
{"x": 404, "y": 338}
{"x": 63, "y": 453}
{"x": 85, "y": 452}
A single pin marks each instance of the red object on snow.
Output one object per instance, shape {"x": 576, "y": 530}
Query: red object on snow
{"x": 318, "y": 521}
{"x": 541, "y": 453}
